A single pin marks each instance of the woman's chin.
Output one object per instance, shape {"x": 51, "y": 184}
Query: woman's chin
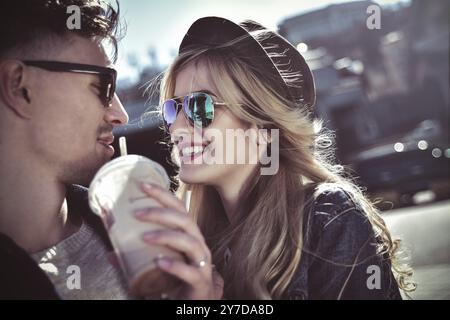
{"x": 200, "y": 174}
{"x": 191, "y": 176}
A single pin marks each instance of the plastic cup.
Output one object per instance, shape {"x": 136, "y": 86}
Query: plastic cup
{"x": 115, "y": 194}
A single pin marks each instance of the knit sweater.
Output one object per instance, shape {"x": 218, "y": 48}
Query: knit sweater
{"x": 75, "y": 268}
{"x": 79, "y": 268}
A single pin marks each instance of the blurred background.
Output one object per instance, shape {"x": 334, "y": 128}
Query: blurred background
{"x": 384, "y": 91}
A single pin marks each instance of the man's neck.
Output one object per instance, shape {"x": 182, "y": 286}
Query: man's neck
{"x": 33, "y": 208}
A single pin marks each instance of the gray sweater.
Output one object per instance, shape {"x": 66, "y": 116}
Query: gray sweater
{"x": 79, "y": 268}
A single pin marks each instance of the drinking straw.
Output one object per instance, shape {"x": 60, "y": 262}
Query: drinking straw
{"x": 187, "y": 200}
{"x": 123, "y": 146}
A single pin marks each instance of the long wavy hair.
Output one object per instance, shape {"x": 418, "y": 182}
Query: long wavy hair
{"x": 266, "y": 239}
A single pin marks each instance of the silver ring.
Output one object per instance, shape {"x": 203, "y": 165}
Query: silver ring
{"x": 202, "y": 263}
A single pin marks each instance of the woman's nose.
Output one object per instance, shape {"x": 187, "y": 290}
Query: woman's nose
{"x": 180, "y": 123}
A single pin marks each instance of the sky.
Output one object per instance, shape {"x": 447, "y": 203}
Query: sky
{"x": 161, "y": 24}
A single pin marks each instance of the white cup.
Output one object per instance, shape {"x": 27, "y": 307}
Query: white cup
{"x": 115, "y": 194}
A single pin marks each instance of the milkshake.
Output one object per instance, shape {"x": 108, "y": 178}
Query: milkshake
{"x": 115, "y": 195}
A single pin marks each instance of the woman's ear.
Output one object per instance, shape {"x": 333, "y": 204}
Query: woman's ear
{"x": 260, "y": 134}
{"x": 254, "y": 130}
{"x": 264, "y": 136}
{"x": 13, "y": 89}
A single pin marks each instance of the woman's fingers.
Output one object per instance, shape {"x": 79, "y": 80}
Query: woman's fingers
{"x": 163, "y": 196}
{"x": 195, "y": 250}
{"x": 191, "y": 275}
{"x": 218, "y": 284}
{"x": 182, "y": 235}
{"x": 170, "y": 219}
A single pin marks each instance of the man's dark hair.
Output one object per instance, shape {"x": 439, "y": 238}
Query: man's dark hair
{"x": 31, "y": 24}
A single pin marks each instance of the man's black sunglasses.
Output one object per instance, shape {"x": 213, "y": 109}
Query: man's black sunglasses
{"x": 107, "y": 76}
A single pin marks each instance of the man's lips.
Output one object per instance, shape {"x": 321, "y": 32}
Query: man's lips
{"x": 106, "y": 142}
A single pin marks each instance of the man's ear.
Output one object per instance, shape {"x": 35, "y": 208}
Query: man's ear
{"x": 13, "y": 89}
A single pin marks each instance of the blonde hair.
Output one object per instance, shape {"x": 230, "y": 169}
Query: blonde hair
{"x": 266, "y": 239}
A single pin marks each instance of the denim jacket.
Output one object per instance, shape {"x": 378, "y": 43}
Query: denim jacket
{"x": 339, "y": 258}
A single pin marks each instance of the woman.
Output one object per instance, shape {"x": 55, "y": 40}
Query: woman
{"x": 303, "y": 231}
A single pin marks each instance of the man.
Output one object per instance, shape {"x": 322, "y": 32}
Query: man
{"x": 56, "y": 122}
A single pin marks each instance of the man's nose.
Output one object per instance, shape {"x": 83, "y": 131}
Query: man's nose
{"x": 116, "y": 113}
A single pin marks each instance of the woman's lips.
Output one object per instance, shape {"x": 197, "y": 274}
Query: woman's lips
{"x": 188, "y": 153}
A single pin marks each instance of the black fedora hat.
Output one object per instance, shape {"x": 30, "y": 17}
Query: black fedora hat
{"x": 260, "y": 47}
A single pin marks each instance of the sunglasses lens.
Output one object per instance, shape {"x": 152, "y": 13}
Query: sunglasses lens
{"x": 169, "y": 111}
{"x": 112, "y": 89}
{"x": 199, "y": 108}
{"x": 107, "y": 84}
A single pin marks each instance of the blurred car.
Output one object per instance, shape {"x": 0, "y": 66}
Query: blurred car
{"x": 419, "y": 161}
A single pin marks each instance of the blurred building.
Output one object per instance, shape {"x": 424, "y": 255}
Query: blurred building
{"x": 385, "y": 92}
{"x": 428, "y": 34}
{"x": 326, "y": 23}
{"x": 376, "y": 84}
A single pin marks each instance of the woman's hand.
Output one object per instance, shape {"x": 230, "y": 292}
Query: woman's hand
{"x": 183, "y": 235}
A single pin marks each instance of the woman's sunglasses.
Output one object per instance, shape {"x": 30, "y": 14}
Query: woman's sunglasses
{"x": 106, "y": 75}
{"x": 198, "y": 107}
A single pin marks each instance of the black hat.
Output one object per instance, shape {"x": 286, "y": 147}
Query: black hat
{"x": 262, "y": 48}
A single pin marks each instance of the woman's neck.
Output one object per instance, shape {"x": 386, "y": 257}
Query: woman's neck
{"x": 230, "y": 199}
{"x": 230, "y": 191}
